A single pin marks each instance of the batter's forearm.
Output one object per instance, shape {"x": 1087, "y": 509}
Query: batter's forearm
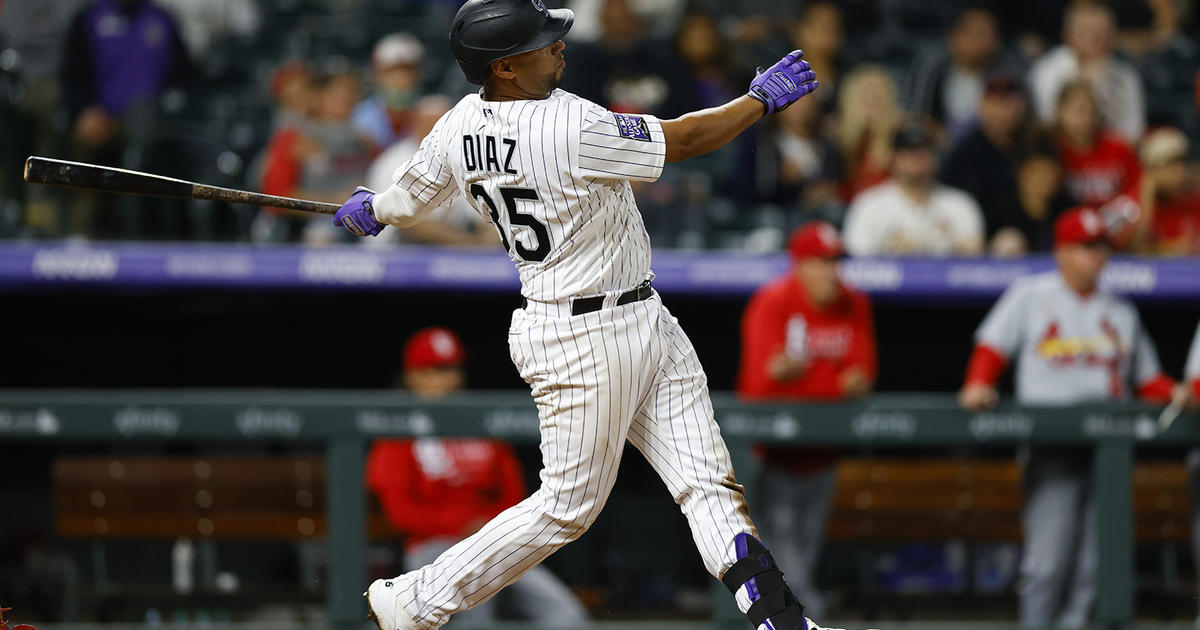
{"x": 709, "y": 129}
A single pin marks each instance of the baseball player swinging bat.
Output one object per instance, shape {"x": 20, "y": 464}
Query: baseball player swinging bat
{"x": 41, "y": 170}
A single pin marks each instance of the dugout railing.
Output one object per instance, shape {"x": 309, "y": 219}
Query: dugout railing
{"x": 345, "y": 421}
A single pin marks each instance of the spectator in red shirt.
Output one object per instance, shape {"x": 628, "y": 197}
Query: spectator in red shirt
{"x": 1100, "y": 169}
{"x": 805, "y": 336}
{"x": 320, "y": 158}
{"x": 1170, "y": 218}
{"x": 439, "y": 491}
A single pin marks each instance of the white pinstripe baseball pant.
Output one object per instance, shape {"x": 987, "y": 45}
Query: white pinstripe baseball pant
{"x": 621, "y": 373}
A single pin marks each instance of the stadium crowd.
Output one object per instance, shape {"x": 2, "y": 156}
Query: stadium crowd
{"x": 941, "y": 128}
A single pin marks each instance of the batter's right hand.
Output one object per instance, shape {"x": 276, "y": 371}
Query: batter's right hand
{"x": 784, "y": 83}
{"x": 978, "y": 397}
{"x": 358, "y": 213}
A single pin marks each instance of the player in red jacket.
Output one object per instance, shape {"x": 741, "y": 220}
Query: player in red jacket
{"x": 439, "y": 491}
{"x": 805, "y": 336}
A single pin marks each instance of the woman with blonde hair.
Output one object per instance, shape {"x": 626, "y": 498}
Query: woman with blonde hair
{"x": 869, "y": 114}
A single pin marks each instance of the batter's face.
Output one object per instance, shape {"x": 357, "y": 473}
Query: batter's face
{"x": 1081, "y": 263}
{"x": 531, "y": 75}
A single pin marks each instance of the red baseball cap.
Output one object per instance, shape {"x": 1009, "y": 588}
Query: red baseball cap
{"x": 1079, "y": 225}
{"x": 818, "y": 239}
{"x": 433, "y": 347}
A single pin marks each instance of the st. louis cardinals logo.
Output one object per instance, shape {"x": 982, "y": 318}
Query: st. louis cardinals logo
{"x": 1105, "y": 350}
{"x": 4, "y": 624}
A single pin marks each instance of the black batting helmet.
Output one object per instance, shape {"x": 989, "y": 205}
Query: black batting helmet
{"x": 486, "y": 30}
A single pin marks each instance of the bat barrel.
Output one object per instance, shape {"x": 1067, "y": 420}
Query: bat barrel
{"x": 40, "y": 170}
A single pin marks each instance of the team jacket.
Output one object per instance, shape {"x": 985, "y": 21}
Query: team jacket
{"x": 432, "y": 488}
{"x": 835, "y": 339}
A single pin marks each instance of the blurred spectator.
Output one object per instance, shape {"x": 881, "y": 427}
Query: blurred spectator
{"x": 1170, "y": 204}
{"x": 911, "y": 214}
{"x": 1087, "y": 54}
{"x": 322, "y": 160}
{"x": 758, "y": 28}
{"x": 119, "y": 53}
{"x": 439, "y": 491}
{"x": 707, "y": 56}
{"x": 868, "y": 115}
{"x": 627, "y": 71}
{"x": 1100, "y": 168}
{"x": 818, "y": 32}
{"x": 203, "y": 23}
{"x": 387, "y": 115}
{"x": 660, "y": 17}
{"x": 1072, "y": 344}
{"x": 984, "y": 163}
{"x": 805, "y": 336}
{"x": 119, "y": 56}
{"x": 292, "y": 91}
{"x": 1146, "y": 25}
{"x": 31, "y": 35}
{"x": 800, "y": 166}
{"x": 1041, "y": 199}
{"x": 946, "y": 83}
{"x": 1032, "y": 25}
{"x": 456, "y": 223}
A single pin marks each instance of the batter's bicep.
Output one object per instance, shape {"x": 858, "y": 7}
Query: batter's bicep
{"x": 422, "y": 184}
{"x": 1003, "y": 328}
{"x": 619, "y": 146}
{"x": 427, "y": 174}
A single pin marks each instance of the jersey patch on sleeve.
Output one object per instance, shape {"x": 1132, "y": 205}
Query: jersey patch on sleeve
{"x": 632, "y": 127}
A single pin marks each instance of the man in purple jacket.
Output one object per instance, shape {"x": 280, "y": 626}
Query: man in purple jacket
{"x": 120, "y": 55}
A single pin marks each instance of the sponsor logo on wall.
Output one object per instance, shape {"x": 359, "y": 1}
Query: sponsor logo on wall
{"x": 74, "y": 264}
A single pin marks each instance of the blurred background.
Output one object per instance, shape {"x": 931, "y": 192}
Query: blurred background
{"x": 1002, "y": 115}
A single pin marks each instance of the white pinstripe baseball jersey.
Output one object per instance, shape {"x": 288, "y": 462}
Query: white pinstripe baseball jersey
{"x": 553, "y": 176}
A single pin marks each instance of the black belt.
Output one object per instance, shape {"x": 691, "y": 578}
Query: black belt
{"x": 583, "y": 305}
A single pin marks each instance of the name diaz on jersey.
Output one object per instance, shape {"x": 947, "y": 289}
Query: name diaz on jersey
{"x": 482, "y": 153}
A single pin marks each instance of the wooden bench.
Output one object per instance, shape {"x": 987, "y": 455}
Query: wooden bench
{"x": 229, "y": 497}
{"x": 893, "y": 500}
{"x": 878, "y": 500}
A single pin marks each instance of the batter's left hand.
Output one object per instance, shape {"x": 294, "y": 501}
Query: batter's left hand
{"x": 358, "y": 213}
{"x": 784, "y": 83}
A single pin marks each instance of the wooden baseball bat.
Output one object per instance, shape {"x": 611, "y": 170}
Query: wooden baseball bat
{"x": 41, "y": 170}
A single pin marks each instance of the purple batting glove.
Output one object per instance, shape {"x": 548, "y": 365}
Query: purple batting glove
{"x": 358, "y": 213}
{"x": 784, "y": 83}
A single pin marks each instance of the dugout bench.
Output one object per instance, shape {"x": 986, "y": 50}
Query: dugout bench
{"x": 345, "y": 421}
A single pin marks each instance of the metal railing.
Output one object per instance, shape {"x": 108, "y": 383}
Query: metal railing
{"x": 345, "y": 421}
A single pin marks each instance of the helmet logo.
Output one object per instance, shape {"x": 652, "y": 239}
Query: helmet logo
{"x": 539, "y": 5}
